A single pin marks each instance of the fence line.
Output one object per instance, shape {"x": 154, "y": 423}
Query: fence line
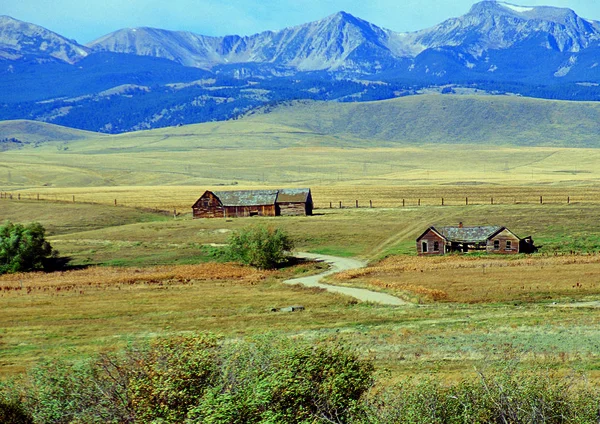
{"x": 70, "y": 199}
{"x": 397, "y": 202}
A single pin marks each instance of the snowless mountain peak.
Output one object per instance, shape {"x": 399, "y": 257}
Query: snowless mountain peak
{"x": 20, "y": 39}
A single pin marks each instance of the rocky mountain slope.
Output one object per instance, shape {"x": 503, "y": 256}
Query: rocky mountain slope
{"x": 146, "y": 78}
{"x": 20, "y": 40}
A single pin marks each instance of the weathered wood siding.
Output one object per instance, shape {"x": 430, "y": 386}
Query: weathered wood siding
{"x": 293, "y": 209}
{"x": 243, "y": 211}
{"x": 426, "y": 244}
{"x": 504, "y": 243}
{"x": 208, "y": 206}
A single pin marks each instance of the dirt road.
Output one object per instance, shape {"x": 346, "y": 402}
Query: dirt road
{"x": 342, "y": 264}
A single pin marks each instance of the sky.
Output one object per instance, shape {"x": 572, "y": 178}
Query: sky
{"x": 87, "y": 20}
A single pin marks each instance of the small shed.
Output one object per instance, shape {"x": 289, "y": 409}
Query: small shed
{"x": 294, "y": 201}
{"x": 490, "y": 239}
{"x": 243, "y": 203}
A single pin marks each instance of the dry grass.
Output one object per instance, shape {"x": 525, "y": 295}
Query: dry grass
{"x": 181, "y": 198}
{"x": 76, "y": 313}
{"x": 482, "y": 279}
{"x": 111, "y": 278}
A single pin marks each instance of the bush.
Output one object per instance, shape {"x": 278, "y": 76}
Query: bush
{"x": 23, "y": 248}
{"x": 194, "y": 379}
{"x": 260, "y": 247}
{"x": 286, "y": 381}
{"x": 503, "y": 395}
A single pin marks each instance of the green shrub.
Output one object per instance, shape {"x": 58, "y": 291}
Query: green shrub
{"x": 286, "y": 381}
{"x": 194, "y": 379}
{"x": 504, "y": 395}
{"x": 12, "y": 409}
{"x": 260, "y": 247}
{"x": 23, "y": 248}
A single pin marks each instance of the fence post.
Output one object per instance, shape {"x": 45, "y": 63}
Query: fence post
{"x": 442, "y": 201}
{"x": 357, "y": 203}
{"x": 492, "y": 201}
{"x": 568, "y": 200}
{"x": 370, "y": 203}
{"x": 73, "y": 198}
{"x": 541, "y": 200}
{"x": 330, "y": 205}
{"x": 115, "y": 202}
{"x": 466, "y": 201}
{"x": 419, "y": 202}
{"x": 402, "y": 202}
{"x": 340, "y": 205}
{"x": 19, "y": 196}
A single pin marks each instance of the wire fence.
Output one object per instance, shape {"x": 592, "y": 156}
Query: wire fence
{"x": 172, "y": 203}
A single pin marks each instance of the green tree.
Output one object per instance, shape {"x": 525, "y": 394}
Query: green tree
{"x": 261, "y": 247}
{"x": 23, "y": 248}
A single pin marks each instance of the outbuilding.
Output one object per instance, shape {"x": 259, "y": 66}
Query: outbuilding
{"x": 243, "y": 203}
{"x": 490, "y": 239}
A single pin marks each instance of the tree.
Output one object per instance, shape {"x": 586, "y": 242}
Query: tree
{"x": 261, "y": 247}
{"x": 23, "y": 248}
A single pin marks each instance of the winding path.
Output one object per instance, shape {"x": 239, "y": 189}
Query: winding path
{"x": 342, "y": 264}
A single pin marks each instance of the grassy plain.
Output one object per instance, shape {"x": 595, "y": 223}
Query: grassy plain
{"x": 466, "y": 312}
{"x": 478, "y": 322}
{"x": 422, "y": 141}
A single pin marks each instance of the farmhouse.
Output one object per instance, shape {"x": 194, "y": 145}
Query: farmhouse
{"x": 242, "y": 203}
{"x": 491, "y": 239}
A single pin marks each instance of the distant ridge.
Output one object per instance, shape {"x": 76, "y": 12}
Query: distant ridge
{"x": 143, "y": 78}
{"x": 448, "y": 119}
{"x": 418, "y": 121}
{"x": 31, "y": 132}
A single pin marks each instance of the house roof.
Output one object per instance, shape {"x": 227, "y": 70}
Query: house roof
{"x": 469, "y": 234}
{"x": 247, "y": 197}
{"x": 293, "y": 195}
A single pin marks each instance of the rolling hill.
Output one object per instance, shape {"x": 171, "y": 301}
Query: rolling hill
{"x": 34, "y": 132}
{"x": 441, "y": 139}
{"x": 447, "y": 119}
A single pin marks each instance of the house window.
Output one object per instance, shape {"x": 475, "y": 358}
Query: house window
{"x": 424, "y": 247}
{"x": 436, "y": 246}
{"x": 496, "y": 244}
{"x": 508, "y": 245}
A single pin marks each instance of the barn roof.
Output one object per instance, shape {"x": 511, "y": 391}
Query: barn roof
{"x": 469, "y": 234}
{"x": 293, "y": 195}
{"x": 247, "y": 197}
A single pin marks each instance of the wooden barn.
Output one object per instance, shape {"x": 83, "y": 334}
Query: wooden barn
{"x": 294, "y": 201}
{"x": 490, "y": 239}
{"x": 243, "y": 203}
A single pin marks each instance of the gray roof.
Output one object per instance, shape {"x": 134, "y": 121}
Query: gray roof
{"x": 293, "y": 195}
{"x": 469, "y": 234}
{"x": 247, "y": 197}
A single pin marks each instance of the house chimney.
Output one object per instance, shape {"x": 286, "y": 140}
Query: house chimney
{"x": 460, "y": 224}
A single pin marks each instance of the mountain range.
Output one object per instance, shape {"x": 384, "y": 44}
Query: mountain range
{"x": 142, "y": 78}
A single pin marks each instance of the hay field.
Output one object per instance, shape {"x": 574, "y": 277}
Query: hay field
{"x": 485, "y": 279}
{"x": 181, "y": 198}
{"x": 77, "y": 313}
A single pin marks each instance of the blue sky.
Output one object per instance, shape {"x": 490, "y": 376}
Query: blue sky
{"x": 86, "y": 20}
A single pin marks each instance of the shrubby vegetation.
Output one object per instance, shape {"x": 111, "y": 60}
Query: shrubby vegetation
{"x": 200, "y": 379}
{"x": 261, "y": 247}
{"x": 196, "y": 379}
{"x": 23, "y": 247}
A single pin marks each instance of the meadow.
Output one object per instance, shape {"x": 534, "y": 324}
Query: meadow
{"x": 489, "y": 308}
{"x": 120, "y": 208}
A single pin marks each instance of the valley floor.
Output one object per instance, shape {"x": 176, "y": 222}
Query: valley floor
{"x": 463, "y": 313}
